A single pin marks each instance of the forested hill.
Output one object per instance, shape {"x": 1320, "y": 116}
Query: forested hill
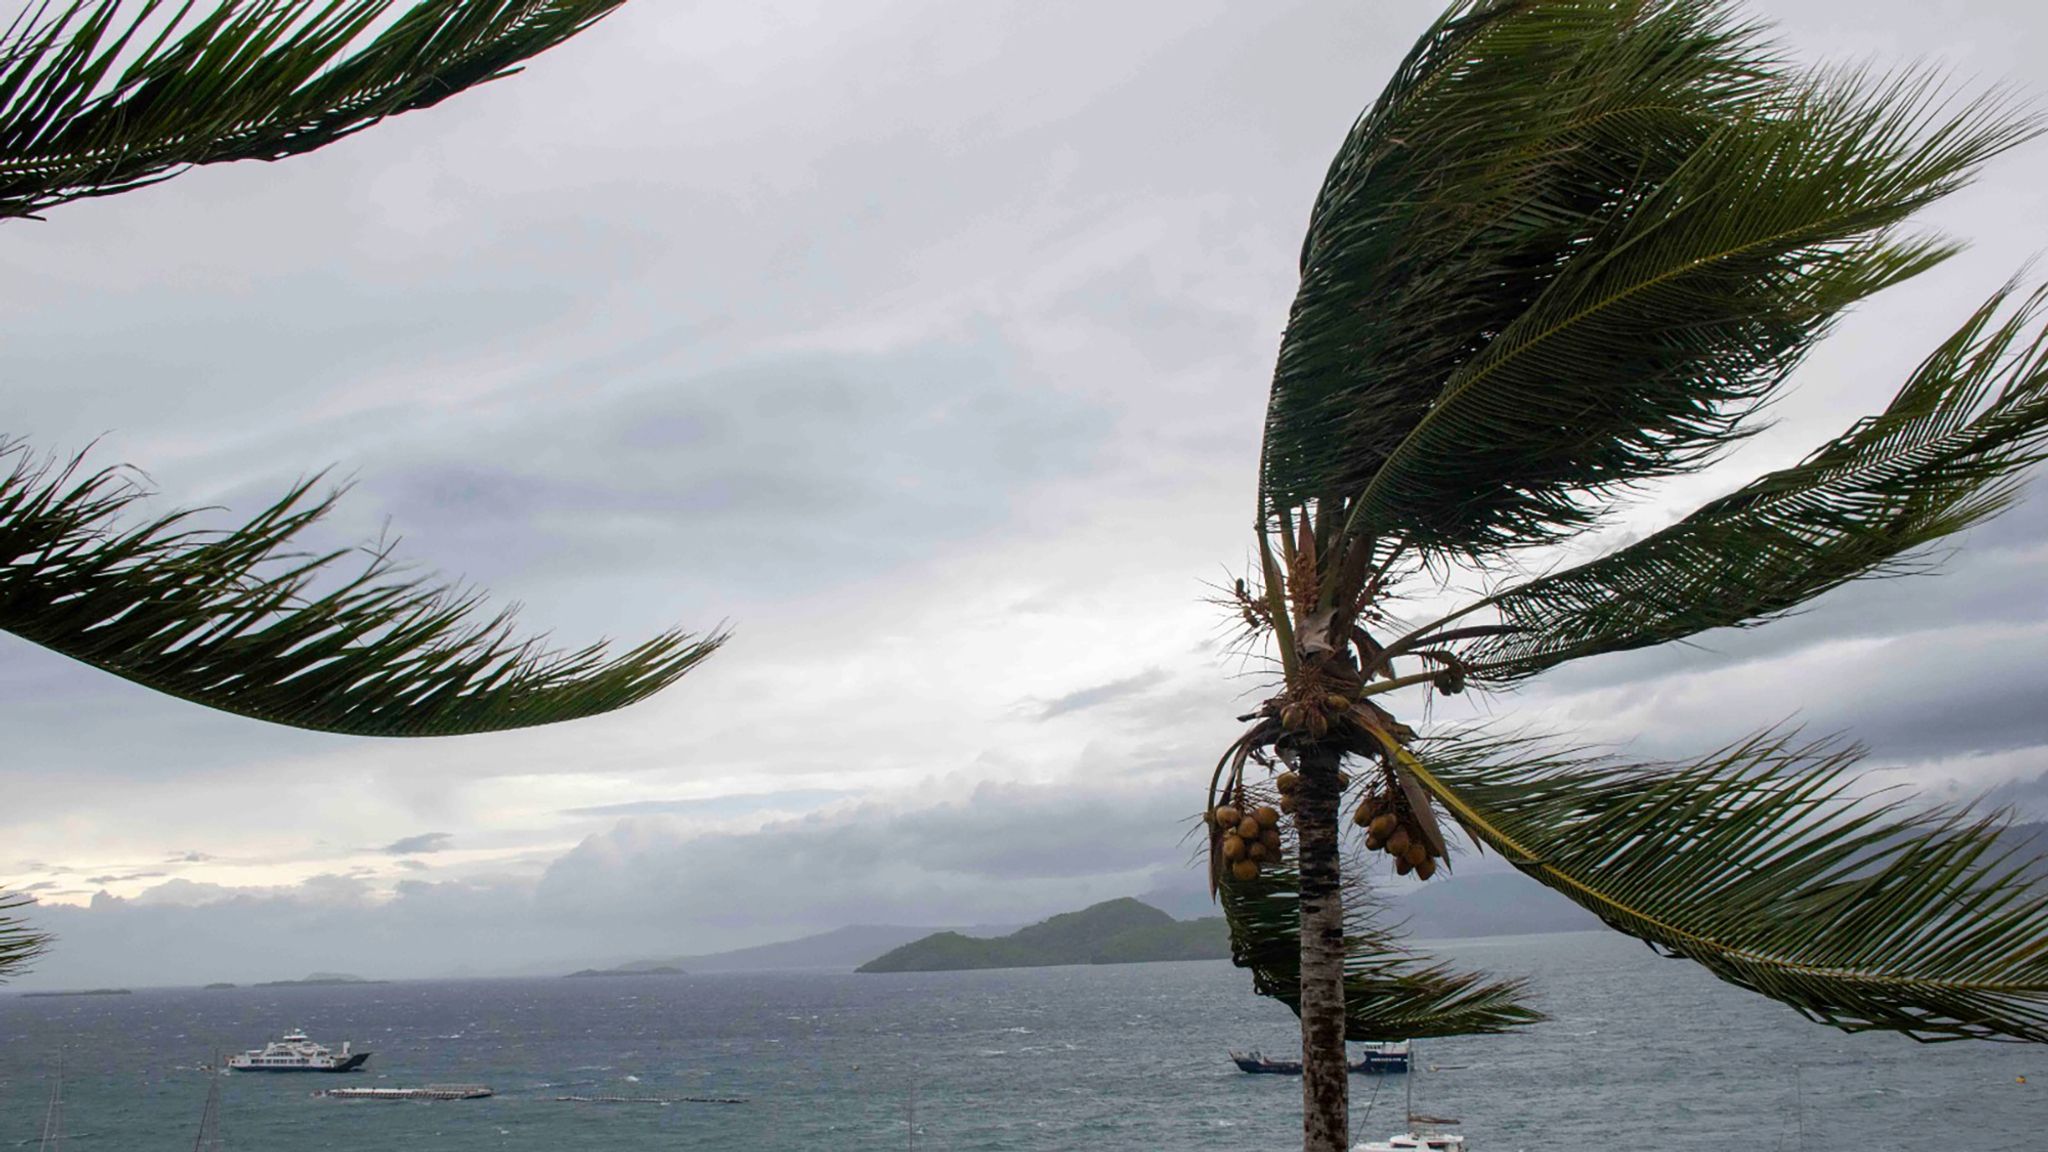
{"x": 1113, "y": 932}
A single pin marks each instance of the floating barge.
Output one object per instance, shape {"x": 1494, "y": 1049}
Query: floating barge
{"x": 430, "y": 1092}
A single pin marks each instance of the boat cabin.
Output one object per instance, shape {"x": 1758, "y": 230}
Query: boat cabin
{"x": 1417, "y": 1142}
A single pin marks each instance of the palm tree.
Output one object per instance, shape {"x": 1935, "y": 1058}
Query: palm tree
{"x": 104, "y": 96}
{"x": 1574, "y": 247}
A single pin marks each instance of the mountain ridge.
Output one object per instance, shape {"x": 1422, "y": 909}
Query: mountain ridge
{"x": 1120, "y": 931}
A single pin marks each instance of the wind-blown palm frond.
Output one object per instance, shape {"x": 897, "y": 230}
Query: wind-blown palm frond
{"x": 19, "y": 943}
{"x": 233, "y": 620}
{"x": 1389, "y": 992}
{"x": 1573, "y": 247}
{"x": 99, "y": 96}
{"x": 1756, "y": 864}
{"x": 1943, "y": 456}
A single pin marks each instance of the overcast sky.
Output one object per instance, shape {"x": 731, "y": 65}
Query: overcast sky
{"x": 925, "y": 343}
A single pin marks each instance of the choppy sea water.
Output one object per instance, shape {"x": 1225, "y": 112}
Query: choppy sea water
{"x": 1640, "y": 1053}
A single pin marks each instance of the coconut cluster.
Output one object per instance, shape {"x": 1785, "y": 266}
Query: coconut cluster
{"x": 1289, "y": 782}
{"x": 1251, "y": 838}
{"x": 1391, "y": 828}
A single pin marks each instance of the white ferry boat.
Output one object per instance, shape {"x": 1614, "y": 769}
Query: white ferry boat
{"x": 295, "y": 1052}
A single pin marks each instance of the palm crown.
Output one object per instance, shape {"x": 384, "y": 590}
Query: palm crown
{"x": 1574, "y": 247}
{"x": 104, "y": 96}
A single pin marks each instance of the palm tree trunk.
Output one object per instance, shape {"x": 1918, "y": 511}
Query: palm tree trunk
{"x": 1325, "y": 1077}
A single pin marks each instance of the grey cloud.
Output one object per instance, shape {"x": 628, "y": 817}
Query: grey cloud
{"x": 2026, "y": 796}
{"x": 178, "y": 892}
{"x": 1940, "y": 694}
{"x": 779, "y": 472}
{"x": 1002, "y": 854}
{"x": 425, "y": 842}
{"x": 725, "y": 805}
{"x": 1101, "y": 694}
{"x": 117, "y": 878}
{"x": 190, "y": 858}
{"x": 40, "y": 886}
{"x": 414, "y": 865}
{"x": 1005, "y": 853}
{"x": 1981, "y": 583}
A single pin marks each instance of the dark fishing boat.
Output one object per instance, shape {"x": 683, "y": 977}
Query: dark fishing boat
{"x": 1375, "y": 1060}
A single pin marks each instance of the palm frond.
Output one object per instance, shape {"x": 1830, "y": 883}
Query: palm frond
{"x": 1389, "y": 992}
{"x": 19, "y": 943}
{"x": 1757, "y": 864}
{"x": 1573, "y": 247}
{"x": 233, "y": 620}
{"x": 100, "y": 96}
{"x": 1944, "y": 455}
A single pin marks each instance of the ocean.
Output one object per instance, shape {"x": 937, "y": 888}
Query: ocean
{"x": 1640, "y": 1053}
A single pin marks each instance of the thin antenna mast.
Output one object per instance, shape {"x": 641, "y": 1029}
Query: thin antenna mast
{"x": 53, "y": 1116}
{"x": 1408, "y": 1082}
{"x": 209, "y": 1118}
{"x": 1799, "y": 1098}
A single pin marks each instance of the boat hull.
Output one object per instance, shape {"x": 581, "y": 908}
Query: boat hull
{"x": 349, "y": 1063}
{"x": 1370, "y": 1066}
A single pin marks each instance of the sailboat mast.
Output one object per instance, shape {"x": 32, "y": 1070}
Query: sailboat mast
{"x": 1408, "y": 1083}
{"x": 53, "y": 1116}
{"x": 208, "y": 1139}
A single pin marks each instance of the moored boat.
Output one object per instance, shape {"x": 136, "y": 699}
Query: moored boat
{"x": 295, "y": 1052}
{"x": 1422, "y": 1136}
{"x": 1374, "y": 1060}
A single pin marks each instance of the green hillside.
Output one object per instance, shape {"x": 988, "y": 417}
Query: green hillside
{"x": 1113, "y": 932}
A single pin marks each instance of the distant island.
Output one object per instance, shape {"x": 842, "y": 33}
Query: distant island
{"x": 85, "y": 992}
{"x": 1123, "y": 931}
{"x": 840, "y": 950}
{"x": 217, "y": 987}
{"x": 318, "y": 979}
{"x": 658, "y": 970}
